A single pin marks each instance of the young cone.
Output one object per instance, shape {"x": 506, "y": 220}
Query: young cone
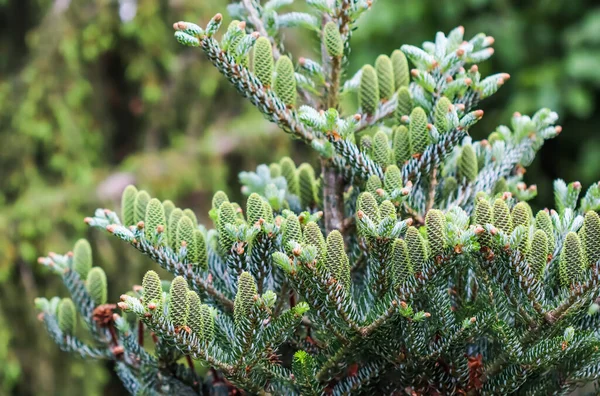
{"x": 155, "y": 216}
{"x": 440, "y": 114}
{"x": 571, "y": 263}
{"x": 142, "y": 199}
{"x": 368, "y": 93}
{"x": 291, "y": 232}
{"x": 401, "y": 72}
{"x": 401, "y": 267}
{"x": 405, "y": 104}
{"x": 401, "y": 145}
{"x": 152, "y": 290}
{"x": 385, "y": 77}
{"x": 416, "y": 248}
{"x": 307, "y": 185}
{"x": 254, "y": 208}
{"x": 244, "y": 298}
{"x": 288, "y": 171}
{"x": 96, "y": 285}
{"x": 419, "y": 135}
{"x": 82, "y": 258}
{"x": 128, "y": 205}
{"x": 591, "y": 240}
{"x": 336, "y": 261}
{"x": 185, "y": 237}
{"x": 381, "y": 149}
{"x": 313, "y": 236}
{"x": 176, "y": 215}
{"x": 467, "y": 165}
{"x": 538, "y": 253}
{"x": 284, "y": 83}
{"x": 502, "y": 218}
{"x": 332, "y": 40}
{"x": 67, "y": 316}
{"x": 178, "y": 302}
{"x": 435, "y": 223}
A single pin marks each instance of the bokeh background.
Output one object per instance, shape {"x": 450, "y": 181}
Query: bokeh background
{"x": 96, "y": 94}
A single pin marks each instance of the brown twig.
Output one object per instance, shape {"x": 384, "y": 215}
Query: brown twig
{"x": 141, "y": 333}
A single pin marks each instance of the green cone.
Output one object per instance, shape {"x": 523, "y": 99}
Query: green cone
{"x": 152, "y": 290}
{"x": 591, "y": 240}
{"x": 385, "y": 77}
{"x": 502, "y": 218}
{"x": 313, "y": 236}
{"x": 435, "y": 223}
{"x": 155, "y": 216}
{"x": 67, "y": 316}
{"x": 288, "y": 171}
{"x": 185, "y": 232}
{"x": 368, "y": 205}
{"x": 178, "y": 302}
{"x": 401, "y": 268}
{"x": 332, "y": 40}
{"x": 571, "y": 263}
{"x": 368, "y": 93}
{"x": 254, "y": 208}
{"x": 128, "y": 205}
{"x": 291, "y": 232}
{"x": 418, "y": 133}
{"x": 336, "y": 261}
{"x": 392, "y": 179}
{"x": 176, "y": 215}
{"x": 96, "y": 285}
{"x": 285, "y": 81}
{"x": 244, "y": 298}
{"x": 401, "y": 72}
{"x": 82, "y": 258}
{"x": 440, "y": 114}
{"x": 141, "y": 202}
{"x": 381, "y": 149}
{"x": 467, "y": 165}
{"x": 262, "y": 61}
{"x": 405, "y": 104}
{"x": 416, "y": 248}
{"x": 401, "y": 145}
{"x": 307, "y": 185}
{"x": 538, "y": 253}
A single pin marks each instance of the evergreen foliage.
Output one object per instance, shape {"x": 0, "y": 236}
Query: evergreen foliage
{"x": 406, "y": 270}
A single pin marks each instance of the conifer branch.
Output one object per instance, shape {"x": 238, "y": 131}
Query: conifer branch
{"x": 247, "y": 84}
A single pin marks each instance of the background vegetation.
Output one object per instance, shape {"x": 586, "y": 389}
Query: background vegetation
{"x": 96, "y": 94}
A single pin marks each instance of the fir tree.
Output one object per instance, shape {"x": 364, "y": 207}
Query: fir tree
{"x": 397, "y": 271}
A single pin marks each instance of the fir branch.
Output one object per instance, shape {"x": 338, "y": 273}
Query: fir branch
{"x": 249, "y": 86}
{"x": 432, "y": 156}
{"x": 167, "y": 260}
{"x": 70, "y": 343}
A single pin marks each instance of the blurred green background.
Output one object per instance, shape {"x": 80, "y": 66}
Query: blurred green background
{"x": 95, "y": 95}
